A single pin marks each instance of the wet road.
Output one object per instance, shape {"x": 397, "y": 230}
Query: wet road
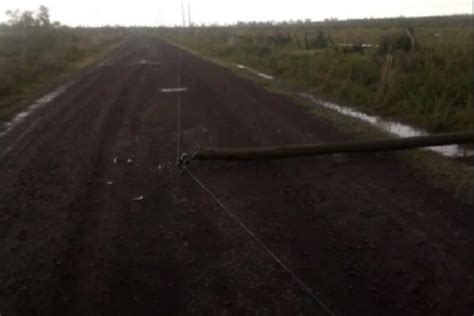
{"x": 366, "y": 233}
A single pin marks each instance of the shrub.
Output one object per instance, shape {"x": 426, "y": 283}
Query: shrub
{"x": 397, "y": 42}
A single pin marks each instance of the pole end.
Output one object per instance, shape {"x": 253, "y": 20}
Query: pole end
{"x": 183, "y": 160}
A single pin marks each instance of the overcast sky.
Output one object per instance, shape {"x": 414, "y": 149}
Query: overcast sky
{"x": 168, "y": 12}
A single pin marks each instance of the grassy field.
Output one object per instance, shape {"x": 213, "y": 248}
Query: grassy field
{"x": 34, "y": 59}
{"x": 417, "y": 70}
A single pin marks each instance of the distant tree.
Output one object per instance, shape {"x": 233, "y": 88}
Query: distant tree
{"x": 27, "y": 19}
{"x": 13, "y": 16}
{"x": 43, "y": 16}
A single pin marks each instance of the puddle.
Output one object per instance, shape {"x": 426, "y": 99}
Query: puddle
{"x": 395, "y": 128}
{"x": 352, "y": 45}
{"x": 8, "y": 126}
{"x": 260, "y": 74}
{"x": 145, "y": 62}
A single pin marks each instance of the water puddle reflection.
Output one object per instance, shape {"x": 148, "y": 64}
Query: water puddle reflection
{"x": 5, "y": 128}
{"x": 395, "y": 128}
{"x": 260, "y": 74}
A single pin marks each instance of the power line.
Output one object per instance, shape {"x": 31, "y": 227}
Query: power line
{"x": 261, "y": 244}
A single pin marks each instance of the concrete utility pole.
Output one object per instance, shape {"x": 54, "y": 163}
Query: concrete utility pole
{"x": 333, "y": 148}
{"x": 183, "y": 16}
{"x": 189, "y": 13}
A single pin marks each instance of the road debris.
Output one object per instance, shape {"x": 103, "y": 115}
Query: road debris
{"x": 139, "y": 198}
{"x": 174, "y": 90}
{"x": 129, "y": 161}
{"x": 116, "y": 160}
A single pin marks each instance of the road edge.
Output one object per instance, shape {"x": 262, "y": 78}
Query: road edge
{"x": 444, "y": 173}
{"x": 78, "y": 67}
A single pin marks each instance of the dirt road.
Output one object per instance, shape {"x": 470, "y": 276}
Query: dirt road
{"x": 366, "y": 233}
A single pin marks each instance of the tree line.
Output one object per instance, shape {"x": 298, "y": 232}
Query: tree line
{"x": 30, "y": 19}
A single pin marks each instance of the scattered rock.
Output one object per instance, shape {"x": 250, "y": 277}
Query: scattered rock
{"x": 139, "y": 198}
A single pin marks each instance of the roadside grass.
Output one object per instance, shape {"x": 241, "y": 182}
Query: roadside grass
{"x": 35, "y": 60}
{"x": 429, "y": 85}
{"x": 447, "y": 174}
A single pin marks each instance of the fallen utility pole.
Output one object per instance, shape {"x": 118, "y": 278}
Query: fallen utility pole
{"x": 334, "y": 148}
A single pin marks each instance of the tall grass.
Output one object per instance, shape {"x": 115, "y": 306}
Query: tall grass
{"x": 368, "y": 64}
{"x": 35, "y": 58}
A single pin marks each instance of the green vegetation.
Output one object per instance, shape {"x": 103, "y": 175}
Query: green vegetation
{"x": 36, "y": 54}
{"x": 415, "y": 70}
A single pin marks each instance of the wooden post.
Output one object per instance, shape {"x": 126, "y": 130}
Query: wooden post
{"x": 333, "y": 148}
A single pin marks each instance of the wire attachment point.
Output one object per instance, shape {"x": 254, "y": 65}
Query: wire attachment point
{"x": 183, "y": 160}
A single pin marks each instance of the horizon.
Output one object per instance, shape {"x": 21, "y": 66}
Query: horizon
{"x": 208, "y": 12}
{"x": 276, "y": 23}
